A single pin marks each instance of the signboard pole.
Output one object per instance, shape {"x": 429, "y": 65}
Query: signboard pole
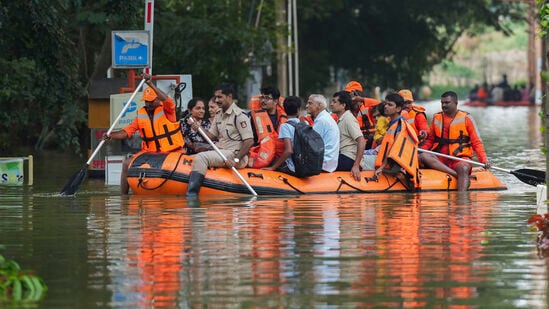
{"x": 149, "y": 26}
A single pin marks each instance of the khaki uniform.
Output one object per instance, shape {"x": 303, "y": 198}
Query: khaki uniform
{"x": 231, "y": 128}
{"x": 349, "y": 131}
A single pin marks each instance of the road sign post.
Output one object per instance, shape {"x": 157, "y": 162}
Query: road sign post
{"x": 130, "y": 49}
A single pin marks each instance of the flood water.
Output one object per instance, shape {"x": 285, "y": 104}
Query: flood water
{"x": 425, "y": 250}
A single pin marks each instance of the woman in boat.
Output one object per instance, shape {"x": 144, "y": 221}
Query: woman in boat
{"x": 194, "y": 142}
{"x": 213, "y": 108}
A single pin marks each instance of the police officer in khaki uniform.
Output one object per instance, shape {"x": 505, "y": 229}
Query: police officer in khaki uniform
{"x": 233, "y": 131}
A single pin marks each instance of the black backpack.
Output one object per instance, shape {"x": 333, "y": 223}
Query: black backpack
{"x": 308, "y": 149}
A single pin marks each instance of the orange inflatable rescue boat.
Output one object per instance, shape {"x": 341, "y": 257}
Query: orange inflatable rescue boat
{"x": 168, "y": 173}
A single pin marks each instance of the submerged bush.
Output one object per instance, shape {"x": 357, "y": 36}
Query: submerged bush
{"x": 17, "y": 286}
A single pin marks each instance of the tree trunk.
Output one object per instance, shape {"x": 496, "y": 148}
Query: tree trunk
{"x": 545, "y": 107}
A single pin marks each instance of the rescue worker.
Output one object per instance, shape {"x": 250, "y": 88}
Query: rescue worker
{"x": 415, "y": 115}
{"x": 398, "y": 150}
{"x": 267, "y": 116}
{"x": 351, "y": 140}
{"x": 233, "y": 131}
{"x": 284, "y": 162}
{"x": 156, "y": 123}
{"x": 453, "y": 132}
{"x": 362, "y": 110}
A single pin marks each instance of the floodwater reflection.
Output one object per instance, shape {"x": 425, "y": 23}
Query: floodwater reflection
{"x": 388, "y": 250}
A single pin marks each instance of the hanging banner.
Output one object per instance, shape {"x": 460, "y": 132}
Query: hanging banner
{"x": 11, "y": 171}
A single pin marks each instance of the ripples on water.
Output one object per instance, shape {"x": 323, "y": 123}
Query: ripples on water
{"x": 441, "y": 250}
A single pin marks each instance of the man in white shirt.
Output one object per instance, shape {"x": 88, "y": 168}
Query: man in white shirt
{"x": 326, "y": 126}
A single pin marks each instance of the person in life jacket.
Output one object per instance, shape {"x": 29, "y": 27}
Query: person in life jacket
{"x": 156, "y": 123}
{"x": 267, "y": 115}
{"x": 414, "y": 115}
{"x": 284, "y": 162}
{"x": 362, "y": 110}
{"x": 453, "y": 132}
{"x": 398, "y": 153}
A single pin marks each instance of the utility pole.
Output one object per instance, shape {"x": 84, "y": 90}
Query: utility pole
{"x": 281, "y": 50}
{"x": 149, "y": 26}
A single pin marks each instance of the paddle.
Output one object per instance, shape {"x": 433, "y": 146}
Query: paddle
{"x": 205, "y": 136}
{"x": 526, "y": 175}
{"x": 74, "y": 183}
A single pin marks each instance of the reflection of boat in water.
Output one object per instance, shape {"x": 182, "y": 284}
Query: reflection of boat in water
{"x": 168, "y": 173}
{"x": 498, "y": 103}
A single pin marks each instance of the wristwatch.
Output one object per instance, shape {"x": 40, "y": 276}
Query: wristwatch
{"x": 236, "y": 160}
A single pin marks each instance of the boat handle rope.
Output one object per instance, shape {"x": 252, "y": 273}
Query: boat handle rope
{"x": 141, "y": 176}
{"x": 394, "y": 183}
{"x": 252, "y": 174}
{"x": 285, "y": 180}
{"x": 140, "y": 184}
{"x": 342, "y": 181}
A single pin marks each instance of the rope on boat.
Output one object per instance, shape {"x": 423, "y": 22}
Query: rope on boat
{"x": 285, "y": 180}
{"x": 394, "y": 183}
{"x": 142, "y": 176}
{"x": 342, "y": 181}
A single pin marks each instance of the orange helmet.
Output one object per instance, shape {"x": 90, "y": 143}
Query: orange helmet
{"x": 149, "y": 94}
{"x": 353, "y": 85}
{"x": 406, "y": 95}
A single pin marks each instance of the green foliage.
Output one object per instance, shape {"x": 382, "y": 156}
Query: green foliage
{"x": 380, "y": 46}
{"x": 212, "y": 40}
{"x": 543, "y": 17}
{"x": 52, "y": 49}
{"x": 47, "y": 48}
{"x": 457, "y": 70}
{"x": 19, "y": 287}
{"x": 438, "y": 90}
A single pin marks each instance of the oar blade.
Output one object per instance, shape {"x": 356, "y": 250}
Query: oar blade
{"x": 74, "y": 183}
{"x": 530, "y": 176}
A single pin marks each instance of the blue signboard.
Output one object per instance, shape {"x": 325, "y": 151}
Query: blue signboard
{"x": 130, "y": 49}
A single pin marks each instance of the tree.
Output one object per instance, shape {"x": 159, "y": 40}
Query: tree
{"x": 52, "y": 49}
{"x": 215, "y": 41}
{"x": 387, "y": 43}
{"x": 48, "y": 48}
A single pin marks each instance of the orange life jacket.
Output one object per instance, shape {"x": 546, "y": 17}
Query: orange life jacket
{"x": 410, "y": 116}
{"x": 269, "y": 145}
{"x": 366, "y": 121}
{"x": 159, "y": 134}
{"x": 458, "y": 141}
{"x": 401, "y": 148}
{"x": 308, "y": 119}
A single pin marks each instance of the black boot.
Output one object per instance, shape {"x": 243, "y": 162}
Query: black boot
{"x": 195, "y": 182}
